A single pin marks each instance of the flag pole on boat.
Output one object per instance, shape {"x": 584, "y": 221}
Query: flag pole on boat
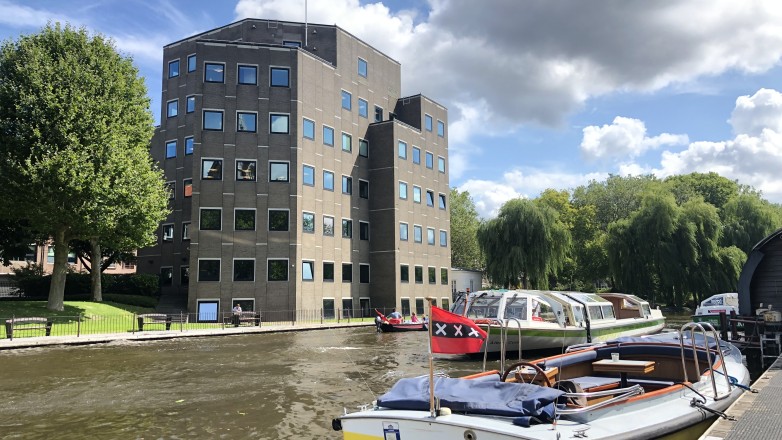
{"x": 432, "y": 411}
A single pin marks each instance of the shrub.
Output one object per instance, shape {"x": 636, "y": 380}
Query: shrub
{"x": 135, "y": 284}
{"x": 131, "y": 300}
{"x": 32, "y": 283}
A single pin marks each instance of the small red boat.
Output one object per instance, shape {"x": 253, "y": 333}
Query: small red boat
{"x": 398, "y": 325}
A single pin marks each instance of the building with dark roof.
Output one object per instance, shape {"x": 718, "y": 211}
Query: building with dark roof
{"x": 760, "y": 281}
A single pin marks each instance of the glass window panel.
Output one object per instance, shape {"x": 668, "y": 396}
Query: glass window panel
{"x": 363, "y": 108}
{"x": 308, "y": 270}
{"x": 170, "y": 149}
{"x": 212, "y": 169}
{"x": 363, "y": 273}
{"x": 278, "y": 123}
{"x": 173, "y": 68}
{"x": 363, "y": 189}
{"x": 362, "y": 67}
{"x": 347, "y": 185}
{"x": 244, "y": 270}
{"x": 328, "y": 271}
{"x": 308, "y": 175}
{"x": 429, "y": 160}
{"x": 403, "y": 231}
{"x": 308, "y": 222}
{"x": 429, "y": 198}
{"x": 444, "y": 280}
{"x": 209, "y": 270}
{"x": 309, "y": 129}
{"x": 191, "y": 63}
{"x": 347, "y": 142}
{"x": 213, "y": 120}
{"x": 416, "y": 155}
{"x": 363, "y": 231}
{"x": 280, "y": 77}
{"x": 441, "y": 198}
{"x": 363, "y": 148}
{"x": 443, "y": 238}
{"x": 246, "y": 122}
{"x": 278, "y": 220}
{"x": 210, "y": 219}
{"x": 441, "y": 164}
{"x": 404, "y": 273}
{"x": 189, "y": 145}
{"x": 328, "y": 136}
{"x": 428, "y": 122}
{"x": 347, "y": 272}
{"x": 403, "y": 190}
{"x": 214, "y": 72}
{"x": 278, "y": 171}
{"x": 346, "y": 100}
{"x": 416, "y": 194}
{"x": 440, "y": 129}
{"x": 347, "y": 228}
{"x": 402, "y": 150}
{"x": 378, "y": 114}
{"x": 172, "y": 109}
{"x": 419, "y": 274}
{"x": 245, "y": 170}
{"x": 418, "y": 234}
{"x": 432, "y": 275}
{"x": 188, "y": 187}
{"x": 328, "y": 225}
{"x": 248, "y": 75}
{"x": 430, "y": 236}
{"x": 277, "y": 270}
{"x": 328, "y": 180}
{"x": 244, "y": 220}
{"x": 190, "y": 104}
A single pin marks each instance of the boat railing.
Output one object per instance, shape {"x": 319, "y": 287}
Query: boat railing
{"x": 624, "y": 394}
{"x": 702, "y": 328}
{"x": 504, "y": 344}
{"x": 488, "y": 337}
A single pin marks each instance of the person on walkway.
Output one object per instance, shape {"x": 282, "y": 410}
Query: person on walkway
{"x": 237, "y": 313}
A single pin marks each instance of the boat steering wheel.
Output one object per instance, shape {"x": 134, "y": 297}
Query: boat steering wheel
{"x": 538, "y": 372}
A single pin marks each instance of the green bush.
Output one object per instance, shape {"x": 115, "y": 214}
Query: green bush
{"x": 131, "y": 300}
{"x": 135, "y": 284}
{"x": 33, "y": 284}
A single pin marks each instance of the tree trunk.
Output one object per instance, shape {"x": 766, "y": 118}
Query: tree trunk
{"x": 57, "y": 287}
{"x": 95, "y": 283}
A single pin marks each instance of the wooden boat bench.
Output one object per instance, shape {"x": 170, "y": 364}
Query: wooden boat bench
{"x": 26, "y": 324}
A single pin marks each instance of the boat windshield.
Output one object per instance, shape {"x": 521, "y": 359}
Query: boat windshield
{"x": 516, "y": 307}
{"x": 485, "y": 307}
{"x": 542, "y": 311}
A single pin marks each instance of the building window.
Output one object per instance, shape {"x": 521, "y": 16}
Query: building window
{"x": 308, "y": 222}
{"x": 168, "y": 232}
{"x": 363, "y": 148}
{"x": 187, "y": 185}
{"x": 347, "y": 142}
{"x": 440, "y": 128}
{"x": 278, "y": 171}
{"x": 362, "y": 67}
{"x": 378, "y": 114}
{"x": 291, "y": 43}
{"x": 328, "y": 180}
{"x": 245, "y": 170}
{"x": 170, "y": 149}
{"x": 191, "y": 63}
{"x": 363, "y": 189}
{"x": 328, "y": 225}
{"x": 244, "y": 219}
{"x": 429, "y": 198}
{"x": 416, "y": 194}
{"x": 307, "y": 270}
{"x": 346, "y": 100}
{"x": 440, "y": 164}
{"x": 308, "y": 175}
{"x": 213, "y": 120}
{"x": 404, "y": 273}
{"x": 441, "y": 198}
{"x": 417, "y": 234}
{"x": 328, "y": 136}
{"x": 363, "y": 108}
{"x": 328, "y": 271}
{"x": 429, "y": 160}
{"x": 363, "y": 230}
{"x": 432, "y": 275}
{"x": 211, "y": 169}
{"x": 186, "y": 231}
{"x": 209, "y": 270}
{"x": 189, "y": 145}
{"x": 277, "y": 270}
{"x": 430, "y": 236}
{"x": 444, "y": 276}
{"x": 214, "y": 72}
{"x": 403, "y": 190}
{"x": 308, "y": 129}
{"x": 279, "y": 77}
{"x": 173, "y": 68}
{"x": 172, "y": 108}
{"x": 403, "y": 231}
{"x": 244, "y": 269}
{"x": 347, "y": 272}
{"x": 363, "y": 273}
{"x": 419, "y": 306}
{"x": 443, "y": 238}
{"x": 246, "y": 121}
{"x": 190, "y": 104}
{"x": 211, "y": 219}
{"x": 347, "y": 185}
{"x": 278, "y": 123}
{"x": 419, "y": 274}
{"x": 248, "y": 75}
{"x": 184, "y": 275}
{"x": 347, "y": 228}
{"x": 402, "y": 150}
{"x": 416, "y": 155}
{"x": 428, "y": 122}
{"x": 171, "y": 187}
{"x": 278, "y": 220}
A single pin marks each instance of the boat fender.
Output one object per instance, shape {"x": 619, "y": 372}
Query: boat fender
{"x": 470, "y": 435}
{"x": 444, "y": 411}
{"x": 336, "y": 424}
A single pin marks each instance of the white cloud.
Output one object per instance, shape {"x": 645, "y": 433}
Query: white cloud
{"x": 18, "y": 16}
{"x": 624, "y": 138}
{"x": 754, "y": 113}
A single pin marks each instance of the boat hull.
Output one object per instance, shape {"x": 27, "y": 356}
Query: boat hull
{"x": 403, "y": 327}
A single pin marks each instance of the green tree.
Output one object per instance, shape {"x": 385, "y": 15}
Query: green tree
{"x": 465, "y": 252}
{"x": 614, "y": 199}
{"x": 74, "y": 129}
{"x": 711, "y": 187}
{"x": 747, "y": 219}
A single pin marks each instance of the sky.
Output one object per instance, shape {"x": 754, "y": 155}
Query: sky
{"x": 540, "y": 94}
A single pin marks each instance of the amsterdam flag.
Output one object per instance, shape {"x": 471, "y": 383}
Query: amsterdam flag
{"x": 454, "y": 334}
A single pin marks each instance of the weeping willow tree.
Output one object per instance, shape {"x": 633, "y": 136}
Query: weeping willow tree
{"x": 523, "y": 245}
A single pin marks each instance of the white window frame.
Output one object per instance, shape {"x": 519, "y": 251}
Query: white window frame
{"x": 214, "y": 62}
{"x": 204, "y": 111}
{"x": 239, "y": 65}
{"x": 270, "y": 171}
{"x": 255, "y": 216}
{"x": 247, "y": 112}
{"x": 219, "y": 273}
{"x": 312, "y": 263}
{"x": 287, "y": 262}
{"x": 233, "y": 270}
{"x": 236, "y": 169}
{"x": 222, "y": 172}
{"x": 176, "y": 108}
{"x": 163, "y": 232}
{"x": 201, "y": 208}
{"x": 268, "y": 218}
{"x": 288, "y": 128}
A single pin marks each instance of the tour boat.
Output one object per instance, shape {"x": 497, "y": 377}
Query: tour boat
{"x": 386, "y": 324}
{"x": 556, "y": 320}
{"x": 709, "y": 309}
{"x": 629, "y": 388}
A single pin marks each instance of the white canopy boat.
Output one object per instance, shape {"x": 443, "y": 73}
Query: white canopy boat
{"x": 631, "y": 388}
{"x": 549, "y": 319}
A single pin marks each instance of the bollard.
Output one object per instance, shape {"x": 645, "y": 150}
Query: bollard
{"x": 723, "y": 326}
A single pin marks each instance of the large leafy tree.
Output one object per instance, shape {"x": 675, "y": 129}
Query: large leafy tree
{"x": 615, "y": 199}
{"x": 74, "y": 128}
{"x": 747, "y": 219}
{"x": 711, "y": 187}
{"x": 465, "y": 252}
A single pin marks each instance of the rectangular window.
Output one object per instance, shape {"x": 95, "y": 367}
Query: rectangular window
{"x": 402, "y": 150}
{"x": 430, "y": 236}
{"x": 277, "y": 270}
{"x": 404, "y": 273}
{"x": 347, "y": 228}
{"x": 278, "y": 220}
{"x": 362, "y": 67}
{"x": 278, "y": 123}
{"x": 246, "y": 121}
{"x": 190, "y": 107}
{"x": 244, "y": 269}
{"x": 347, "y": 272}
{"x": 347, "y": 142}
{"x": 418, "y": 234}
{"x": 278, "y": 171}
{"x": 403, "y": 190}
{"x": 443, "y": 238}
{"x": 416, "y": 194}
{"x": 211, "y": 219}
{"x": 346, "y": 100}
{"x": 419, "y": 306}
{"x": 173, "y": 68}
{"x": 308, "y": 175}
{"x": 363, "y": 148}
{"x": 443, "y": 277}
{"x": 328, "y": 225}
{"x": 405, "y": 306}
{"x": 170, "y": 149}
{"x": 429, "y": 198}
{"x": 307, "y": 270}
{"x": 213, "y": 120}
{"x": 429, "y": 160}
{"x": 363, "y": 189}
{"x": 184, "y": 275}
{"x": 441, "y": 198}
{"x": 245, "y": 170}
{"x": 328, "y": 136}
{"x": 328, "y": 180}
{"x": 363, "y": 273}
{"x": 416, "y": 155}
{"x": 363, "y": 231}
{"x": 440, "y": 128}
{"x": 328, "y": 271}
{"x": 248, "y": 75}
{"x": 279, "y": 77}
{"x": 187, "y": 185}
{"x": 378, "y": 114}
{"x": 244, "y": 219}
{"x": 432, "y": 275}
{"x": 209, "y": 270}
{"x": 291, "y": 43}
{"x": 172, "y": 108}
{"x": 308, "y": 222}
{"x": 428, "y": 122}
{"x": 347, "y": 185}
{"x": 347, "y": 307}
{"x": 308, "y": 129}
{"x": 440, "y": 164}
{"x": 186, "y": 231}
{"x": 191, "y": 63}
{"x": 363, "y": 108}
{"x": 403, "y": 231}
{"x": 211, "y": 169}
{"x": 171, "y": 187}
{"x": 189, "y": 145}
{"x": 419, "y": 274}
{"x": 168, "y": 232}
{"x": 214, "y": 72}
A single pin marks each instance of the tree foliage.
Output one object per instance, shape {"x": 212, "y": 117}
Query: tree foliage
{"x": 747, "y": 219}
{"x": 465, "y": 252}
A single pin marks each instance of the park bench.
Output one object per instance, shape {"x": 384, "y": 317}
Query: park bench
{"x": 26, "y": 324}
{"x": 148, "y": 319}
{"x": 245, "y": 317}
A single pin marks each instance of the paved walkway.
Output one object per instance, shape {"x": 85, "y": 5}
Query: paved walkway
{"x": 42, "y": 341}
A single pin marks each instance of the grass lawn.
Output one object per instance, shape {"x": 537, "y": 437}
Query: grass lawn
{"x": 21, "y": 309}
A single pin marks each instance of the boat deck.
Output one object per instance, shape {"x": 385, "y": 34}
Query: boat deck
{"x": 757, "y": 414}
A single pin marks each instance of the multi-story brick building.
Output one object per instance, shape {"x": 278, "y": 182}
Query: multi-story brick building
{"x": 301, "y": 180}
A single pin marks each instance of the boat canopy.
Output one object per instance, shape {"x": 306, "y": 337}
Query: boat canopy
{"x": 598, "y": 308}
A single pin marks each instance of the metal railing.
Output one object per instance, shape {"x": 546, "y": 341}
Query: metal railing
{"x": 702, "y": 327}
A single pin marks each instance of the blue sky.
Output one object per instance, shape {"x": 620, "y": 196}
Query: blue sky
{"x": 541, "y": 94}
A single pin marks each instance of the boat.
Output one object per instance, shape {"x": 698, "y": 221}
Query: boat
{"x": 555, "y": 320}
{"x": 627, "y": 388}
{"x": 709, "y": 309}
{"x": 387, "y": 325}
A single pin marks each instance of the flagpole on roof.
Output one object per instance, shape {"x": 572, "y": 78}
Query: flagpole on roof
{"x": 305, "y": 23}
{"x": 431, "y": 361}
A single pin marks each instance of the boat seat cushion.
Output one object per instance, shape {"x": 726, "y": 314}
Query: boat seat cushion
{"x": 590, "y": 382}
{"x": 569, "y": 359}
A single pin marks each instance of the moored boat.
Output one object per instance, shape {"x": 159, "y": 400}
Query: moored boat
{"x": 709, "y": 309}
